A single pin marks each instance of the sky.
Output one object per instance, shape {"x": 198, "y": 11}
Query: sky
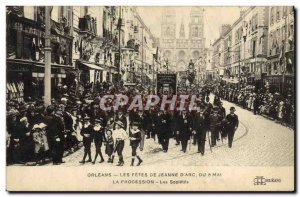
{"x": 214, "y": 17}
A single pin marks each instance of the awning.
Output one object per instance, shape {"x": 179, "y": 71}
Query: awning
{"x": 92, "y": 66}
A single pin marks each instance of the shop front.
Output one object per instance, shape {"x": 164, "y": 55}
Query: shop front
{"x": 25, "y": 55}
{"x": 26, "y": 79}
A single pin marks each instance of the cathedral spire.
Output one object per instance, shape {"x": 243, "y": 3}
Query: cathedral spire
{"x": 181, "y": 32}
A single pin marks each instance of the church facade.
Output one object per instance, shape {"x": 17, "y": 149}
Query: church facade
{"x": 181, "y": 45}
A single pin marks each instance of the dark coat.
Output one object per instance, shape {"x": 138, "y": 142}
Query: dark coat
{"x": 55, "y": 128}
{"x": 123, "y": 120}
{"x": 109, "y": 148}
{"x": 164, "y": 125}
{"x": 232, "y": 122}
{"x": 137, "y": 139}
{"x": 199, "y": 126}
{"x": 142, "y": 120}
{"x": 87, "y": 131}
{"x": 184, "y": 126}
{"x": 151, "y": 120}
{"x": 99, "y": 136}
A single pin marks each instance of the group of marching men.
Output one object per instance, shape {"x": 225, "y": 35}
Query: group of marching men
{"x": 186, "y": 127}
{"x": 35, "y": 133}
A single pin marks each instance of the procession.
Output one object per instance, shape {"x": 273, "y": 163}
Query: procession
{"x": 107, "y": 85}
{"x": 37, "y": 133}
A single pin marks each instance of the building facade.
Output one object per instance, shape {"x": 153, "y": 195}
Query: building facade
{"x": 25, "y": 42}
{"x": 179, "y": 48}
{"x": 280, "y": 69}
{"x": 89, "y": 44}
{"x": 241, "y": 49}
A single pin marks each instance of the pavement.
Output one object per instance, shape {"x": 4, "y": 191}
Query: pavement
{"x": 258, "y": 142}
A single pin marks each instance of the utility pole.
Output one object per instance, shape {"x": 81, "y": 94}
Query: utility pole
{"x": 47, "y": 79}
{"x": 142, "y": 53}
{"x": 119, "y": 28}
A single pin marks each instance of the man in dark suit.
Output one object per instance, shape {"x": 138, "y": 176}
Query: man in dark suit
{"x": 184, "y": 129}
{"x": 214, "y": 125}
{"x": 151, "y": 122}
{"x": 199, "y": 130}
{"x": 232, "y": 124}
{"x": 164, "y": 129}
{"x": 55, "y": 129}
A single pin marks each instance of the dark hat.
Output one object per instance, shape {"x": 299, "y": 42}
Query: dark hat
{"x": 50, "y": 109}
{"x": 135, "y": 123}
{"x": 232, "y": 108}
{"x": 99, "y": 120}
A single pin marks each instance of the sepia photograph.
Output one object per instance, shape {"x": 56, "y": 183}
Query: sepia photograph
{"x": 150, "y": 98}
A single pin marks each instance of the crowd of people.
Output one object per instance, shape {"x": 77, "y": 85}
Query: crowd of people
{"x": 37, "y": 134}
{"x": 272, "y": 105}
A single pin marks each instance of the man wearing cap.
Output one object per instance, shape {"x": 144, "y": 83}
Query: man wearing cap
{"x": 99, "y": 137}
{"x": 232, "y": 125}
{"x": 86, "y": 132}
{"x": 54, "y": 130}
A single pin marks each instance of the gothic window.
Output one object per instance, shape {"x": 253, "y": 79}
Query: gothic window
{"x": 181, "y": 55}
{"x": 195, "y": 31}
{"x": 196, "y": 54}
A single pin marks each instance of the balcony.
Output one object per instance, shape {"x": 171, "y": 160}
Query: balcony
{"x": 88, "y": 24}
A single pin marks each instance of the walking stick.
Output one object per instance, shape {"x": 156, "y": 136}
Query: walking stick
{"x": 209, "y": 141}
{"x": 190, "y": 143}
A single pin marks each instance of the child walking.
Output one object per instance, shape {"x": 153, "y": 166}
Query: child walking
{"x": 109, "y": 148}
{"x": 119, "y": 135}
{"x": 135, "y": 140}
